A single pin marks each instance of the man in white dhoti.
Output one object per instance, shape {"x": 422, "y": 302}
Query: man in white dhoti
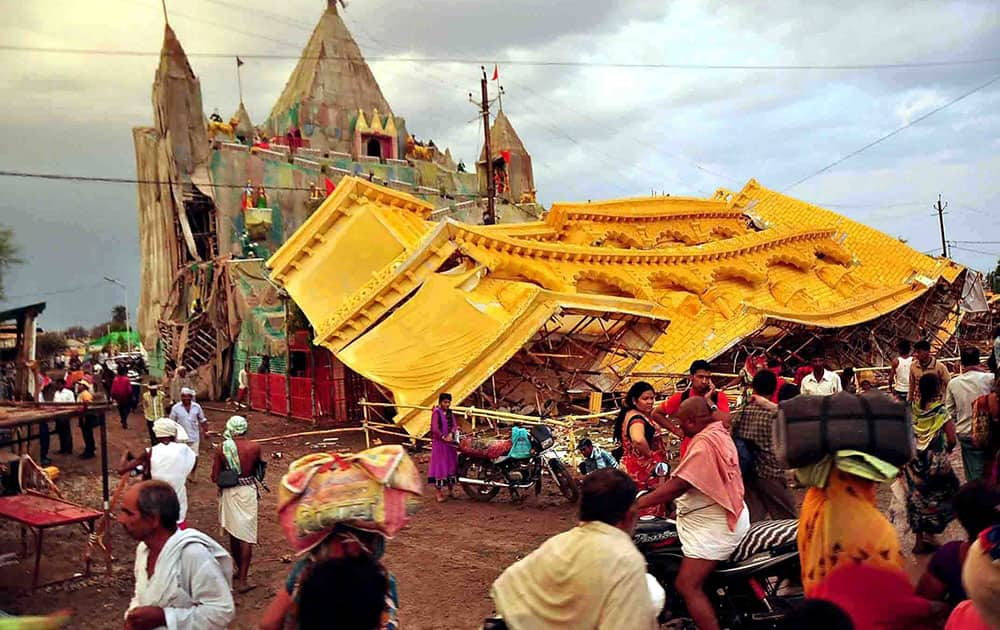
{"x": 238, "y": 471}
{"x": 168, "y": 460}
{"x": 182, "y": 578}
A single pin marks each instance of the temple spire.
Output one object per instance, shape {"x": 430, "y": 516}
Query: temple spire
{"x": 329, "y": 84}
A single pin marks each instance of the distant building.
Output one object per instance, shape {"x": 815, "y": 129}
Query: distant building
{"x": 18, "y": 337}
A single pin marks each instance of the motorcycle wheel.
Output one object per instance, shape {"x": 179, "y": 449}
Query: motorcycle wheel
{"x": 475, "y": 469}
{"x": 565, "y": 480}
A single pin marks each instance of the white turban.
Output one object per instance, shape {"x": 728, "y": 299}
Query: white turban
{"x": 187, "y": 391}
{"x": 165, "y": 427}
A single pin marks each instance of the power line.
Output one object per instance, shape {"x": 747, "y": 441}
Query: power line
{"x": 895, "y": 131}
{"x": 977, "y": 242}
{"x": 122, "y": 180}
{"x": 131, "y": 180}
{"x": 557, "y": 63}
{"x": 975, "y": 210}
{"x": 869, "y": 205}
{"x": 270, "y": 15}
{"x": 975, "y": 251}
{"x": 8, "y": 298}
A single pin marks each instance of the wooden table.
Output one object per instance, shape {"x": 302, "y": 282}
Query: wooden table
{"x": 38, "y": 512}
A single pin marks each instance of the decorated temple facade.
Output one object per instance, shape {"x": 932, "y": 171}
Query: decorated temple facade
{"x": 513, "y": 177}
{"x": 219, "y": 196}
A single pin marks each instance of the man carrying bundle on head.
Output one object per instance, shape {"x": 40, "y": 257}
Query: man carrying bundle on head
{"x": 238, "y": 471}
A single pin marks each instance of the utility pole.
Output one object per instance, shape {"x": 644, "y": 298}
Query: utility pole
{"x": 490, "y": 216}
{"x": 940, "y": 210}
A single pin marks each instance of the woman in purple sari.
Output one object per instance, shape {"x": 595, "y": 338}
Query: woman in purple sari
{"x": 444, "y": 454}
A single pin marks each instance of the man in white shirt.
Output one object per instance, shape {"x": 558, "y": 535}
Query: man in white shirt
{"x": 190, "y": 416}
{"x": 821, "y": 381}
{"x": 901, "y": 370}
{"x": 974, "y": 381}
{"x": 64, "y": 426}
{"x": 591, "y": 577}
{"x": 182, "y": 578}
{"x": 243, "y": 382}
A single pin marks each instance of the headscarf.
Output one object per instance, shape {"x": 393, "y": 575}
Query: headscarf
{"x": 375, "y": 490}
{"x": 981, "y": 575}
{"x": 187, "y": 391}
{"x": 927, "y": 423}
{"x": 857, "y": 463}
{"x": 236, "y": 425}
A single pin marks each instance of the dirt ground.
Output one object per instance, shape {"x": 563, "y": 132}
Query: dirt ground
{"x": 444, "y": 561}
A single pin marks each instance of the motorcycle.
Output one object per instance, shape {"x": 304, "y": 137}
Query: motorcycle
{"x": 754, "y": 589}
{"x": 483, "y": 473}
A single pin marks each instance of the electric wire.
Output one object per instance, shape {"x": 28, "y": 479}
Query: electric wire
{"x": 895, "y": 131}
{"x": 974, "y": 251}
{"x": 88, "y": 287}
{"x": 479, "y": 60}
{"x": 133, "y": 180}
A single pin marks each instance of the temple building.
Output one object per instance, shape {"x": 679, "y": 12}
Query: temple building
{"x": 337, "y": 257}
{"x": 220, "y": 196}
{"x": 534, "y": 317}
{"x": 513, "y": 178}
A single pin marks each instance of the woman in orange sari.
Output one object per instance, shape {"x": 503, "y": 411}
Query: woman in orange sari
{"x": 850, "y": 551}
{"x": 642, "y": 448}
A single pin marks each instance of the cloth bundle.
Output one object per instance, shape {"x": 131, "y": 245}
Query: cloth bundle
{"x": 376, "y": 490}
{"x": 809, "y": 428}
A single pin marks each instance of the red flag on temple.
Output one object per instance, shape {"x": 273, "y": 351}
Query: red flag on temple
{"x": 505, "y": 155}
{"x": 496, "y": 72}
{"x": 330, "y": 186}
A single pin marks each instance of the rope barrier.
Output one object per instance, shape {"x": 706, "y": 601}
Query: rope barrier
{"x": 487, "y": 413}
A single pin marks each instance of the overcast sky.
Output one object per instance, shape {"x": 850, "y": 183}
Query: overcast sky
{"x": 593, "y": 132}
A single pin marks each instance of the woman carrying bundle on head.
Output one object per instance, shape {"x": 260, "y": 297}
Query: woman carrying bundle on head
{"x": 337, "y": 512}
{"x": 849, "y": 549}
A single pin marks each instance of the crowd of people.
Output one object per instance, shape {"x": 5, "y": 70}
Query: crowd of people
{"x": 850, "y": 554}
{"x": 728, "y": 475}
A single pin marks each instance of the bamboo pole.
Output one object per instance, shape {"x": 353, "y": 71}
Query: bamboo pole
{"x": 364, "y": 422}
{"x": 476, "y": 411}
{"x": 308, "y": 433}
{"x": 412, "y": 438}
